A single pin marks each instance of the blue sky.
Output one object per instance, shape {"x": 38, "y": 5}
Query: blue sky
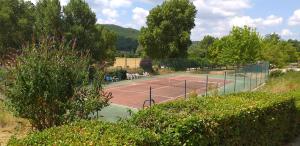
{"x": 214, "y": 17}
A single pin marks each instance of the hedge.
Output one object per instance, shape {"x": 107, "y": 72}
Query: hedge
{"x": 237, "y": 119}
{"x": 89, "y": 133}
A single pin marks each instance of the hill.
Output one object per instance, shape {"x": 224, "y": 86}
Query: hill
{"x": 127, "y": 38}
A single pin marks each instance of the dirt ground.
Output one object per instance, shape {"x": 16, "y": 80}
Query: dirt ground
{"x": 19, "y": 128}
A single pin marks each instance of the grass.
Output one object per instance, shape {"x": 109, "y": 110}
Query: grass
{"x": 11, "y": 125}
{"x": 289, "y": 82}
{"x": 6, "y": 118}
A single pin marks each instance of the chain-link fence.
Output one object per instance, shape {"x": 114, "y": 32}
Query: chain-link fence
{"x": 233, "y": 78}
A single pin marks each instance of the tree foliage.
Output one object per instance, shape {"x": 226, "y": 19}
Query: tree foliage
{"x": 25, "y": 23}
{"x": 16, "y": 23}
{"x": 48, "y": 22}
{"x": 241, "y": 46}
{"x": 277, "y": 51}
{"x": 199, "y": 51}
{"x": 49, "y": 86}
{"x": 168, "y": 30}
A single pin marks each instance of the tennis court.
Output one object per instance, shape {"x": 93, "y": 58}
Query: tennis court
{"x": 163, "y": 89}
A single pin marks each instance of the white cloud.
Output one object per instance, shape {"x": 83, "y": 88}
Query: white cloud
{"x": 272, "y": 20}
{"x": 216, "y": 17}
{"x": 114, "y": 3}
{"x": 139, "y": 16}
{"x": 286, "y": 33}
{"x": 152, "y": 1}
{"x": 245, "y": 20}
{"x": 111, "y": 13}
{"x": 255, "y": 22}
{"x": 220, "y": 8}
{"x": 108, "y": 21}
{"x": 62, "y": 2}
{"x": 295, "y": 18}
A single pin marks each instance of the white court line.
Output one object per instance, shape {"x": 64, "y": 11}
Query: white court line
{"x": 148, "y": 82}
{"x": 147, "y": 92}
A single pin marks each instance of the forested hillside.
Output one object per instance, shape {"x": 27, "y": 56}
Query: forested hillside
{"x": 126, "y": 37}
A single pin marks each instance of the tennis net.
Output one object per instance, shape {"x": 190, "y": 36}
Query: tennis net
{"x": 183, "y": 83}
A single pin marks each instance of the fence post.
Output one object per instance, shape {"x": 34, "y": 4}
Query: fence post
{"x": 245, "y": 79}
{"x": 250, "y": 80}
{"x": 256, "y": 70}
{"x": 261, "y": 73}
{"x": 234, "y": 81}
{"x": 225, "y": 82}
{"x": 184, "y": 88}
{"x": 206, "y": 85}
{"x": 150, "y": 96}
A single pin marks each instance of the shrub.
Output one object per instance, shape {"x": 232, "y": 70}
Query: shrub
{"x": 90, "y": 133}
{"x": 48, "y": 86}
{"x": 276, "y": 73}
{"x": 120, "y": 73}
{"x": 146, "y": 65}
{"x": 238, "y": 119}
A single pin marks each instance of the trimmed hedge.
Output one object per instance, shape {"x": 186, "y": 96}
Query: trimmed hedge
{"x": 89, "y": 133}
{"x": 237, "y": 119}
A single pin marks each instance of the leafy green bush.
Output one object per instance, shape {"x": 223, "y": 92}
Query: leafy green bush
{"x": 90, "y": 133}
{"x": 120, "y": 73}
{"x": 276, "y": 73}
{"x": 48, "y": 86}
{"x": 178, "y": 64}
{"x": 239, "y": 119}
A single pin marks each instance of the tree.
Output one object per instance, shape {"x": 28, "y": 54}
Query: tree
{"x": 48, "y": 19}
{"x": 241, "y": 46}
{"x": 199, "y": 51}
{"x": 295, "y": 44}
{"x": 277, "y": 51}
{"x": 80, "y": 25}
{"x": 168, "y": 30}
{"x": 81, "y": 28}
{"x": 50, "y": 86}
{"x": 273, "y": 37}
{"x": 16, "y": 23}
{"x": 106, "y": 44}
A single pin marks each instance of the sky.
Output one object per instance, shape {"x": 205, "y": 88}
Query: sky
{"x": 214, "y": 17}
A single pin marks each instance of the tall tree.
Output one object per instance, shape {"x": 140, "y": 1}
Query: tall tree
{"x": 80, "y": 24}
{"x": 168, "y": 30}
{"x": 277, "y": 51}
{"x": 241, "y": 46}
{"x": 16, "y": 23}
{"x": 199, "y": 51}
{"x": 81, "y": 28}
{"x": 48, "y": 19}
{"x": 295, "y": 43}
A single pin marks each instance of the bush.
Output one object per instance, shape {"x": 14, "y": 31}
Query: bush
{"x": 146, "y": 65}
{"x": 90, "y": 133}
{"x": 120, "y": 73}
{"x": 48, "y": 86}
{"x": 276, "y": 73}
{"x": 238, "y": 119}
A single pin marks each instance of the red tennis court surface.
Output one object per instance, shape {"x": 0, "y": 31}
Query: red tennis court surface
{"x": 163, "y": 89}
